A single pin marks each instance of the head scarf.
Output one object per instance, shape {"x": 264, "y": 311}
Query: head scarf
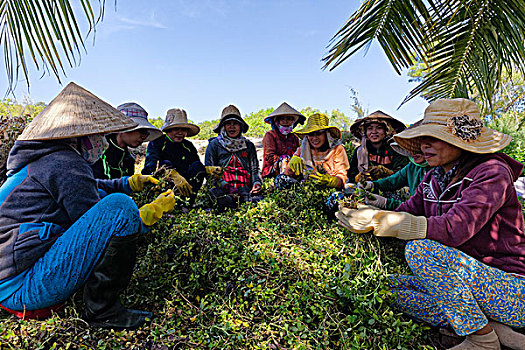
{"x": 231, "y": 144}
{"x": 92, "y": 147}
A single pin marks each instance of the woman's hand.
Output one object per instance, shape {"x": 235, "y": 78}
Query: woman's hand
{"x": 137, "y": 181}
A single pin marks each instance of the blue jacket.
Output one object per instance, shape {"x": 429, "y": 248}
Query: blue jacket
{"x": 217, "y": 155}
{"x": 49, "y": 186}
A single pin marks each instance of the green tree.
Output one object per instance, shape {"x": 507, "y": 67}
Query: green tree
{"x": 466, "y": 44}
{"x": 44, "y": 30}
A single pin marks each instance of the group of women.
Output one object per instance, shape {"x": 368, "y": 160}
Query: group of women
{"x": 61, "y": 228}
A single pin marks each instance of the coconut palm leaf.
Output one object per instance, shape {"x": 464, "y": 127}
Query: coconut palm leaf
{"x": 466, "y": 44}
{"x": 43, "y": 31}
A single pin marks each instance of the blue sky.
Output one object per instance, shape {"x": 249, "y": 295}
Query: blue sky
{"x": 203, "y": 55}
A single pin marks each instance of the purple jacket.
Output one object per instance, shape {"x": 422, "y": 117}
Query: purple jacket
{"x": 479, "y": 215}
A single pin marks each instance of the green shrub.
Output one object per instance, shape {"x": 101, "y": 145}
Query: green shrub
{"x": 512, "y": 124}
{"x": 273, "y": 275}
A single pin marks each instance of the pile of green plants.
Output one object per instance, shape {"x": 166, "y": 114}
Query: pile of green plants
{"x": 275, "y": 275}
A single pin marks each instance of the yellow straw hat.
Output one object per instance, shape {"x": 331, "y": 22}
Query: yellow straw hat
{"x": 177, "y": 118}
{"x": 76, "y": 112}
{"x": 316, "y": 122}
{"x": 455, "y": 121}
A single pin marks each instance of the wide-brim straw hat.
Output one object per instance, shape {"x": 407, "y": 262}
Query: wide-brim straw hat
{"x": 317, "y": 122}
{"x": 231, "y": 113}
{"x": 357, "y": 129}
{"x": 455, "y": 121}
{"x": 76, "y": 112}
{"x": 286, "y": 110}
{"x": 177, "y": 118}
{"x": 139, "y": 115}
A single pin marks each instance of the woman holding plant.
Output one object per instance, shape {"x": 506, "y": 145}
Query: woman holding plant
{"x": 374, "y": 156}
{"x": 56, "y": 233}
{"x": 280, "y": 143}
{"x": 236, "y": 155}
{"x": 465, "y": 226}
{"x": 320, "y": 158}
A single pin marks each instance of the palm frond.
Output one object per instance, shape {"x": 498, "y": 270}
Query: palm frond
{"x": 45, "y": 32}
{"x": 466, "y": 44}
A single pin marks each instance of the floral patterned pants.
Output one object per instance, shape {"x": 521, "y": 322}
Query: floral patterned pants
{"x": 450, "y": 287}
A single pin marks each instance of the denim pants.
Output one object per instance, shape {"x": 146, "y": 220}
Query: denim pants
{"x": 451, "y": 288}
{"x": 66, "y": 266}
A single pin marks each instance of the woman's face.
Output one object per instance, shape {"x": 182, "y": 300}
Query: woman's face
{"x": 317, "y": 138}
{"x": 133, "y": 138}
{"x": 177, "y": 134}
{"x": 419, "y": 158}
{"x": 375, "y": 132}
{"x": 233, "y": 128}
{"x": 439, "y": 153}
{"x": 285, "y": 120}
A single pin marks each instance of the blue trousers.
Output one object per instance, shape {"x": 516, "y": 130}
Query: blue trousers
{"x": 66, "y": 266}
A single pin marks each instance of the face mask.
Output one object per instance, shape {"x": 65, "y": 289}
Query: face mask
{"x": 92, "y": 147}
{"x": 285, "y": 130}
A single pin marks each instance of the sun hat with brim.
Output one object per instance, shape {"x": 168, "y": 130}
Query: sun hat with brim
{"x": 76, "y": 112}
{"x": 286, "y": 110}
{"x": 357, "y": 129}
{"x": 231, "y": 113}
{"x": 177, "y": 118}
{"x": 317, "y": 122}
{"x": 139, "y": 115}
{"x": 455, "y": 121}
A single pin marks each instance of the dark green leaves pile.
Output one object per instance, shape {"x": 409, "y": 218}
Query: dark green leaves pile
{"x": 276, "y": 275}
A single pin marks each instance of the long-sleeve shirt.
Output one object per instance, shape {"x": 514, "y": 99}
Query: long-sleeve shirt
{"x": 479, "y": 215}
{"x": 217, "y": 155}
{"x": 276, "y": 145}
{"x": 174, "y": 155}
{"x": 411, "y": 175}
{"x": 335, "y": 162}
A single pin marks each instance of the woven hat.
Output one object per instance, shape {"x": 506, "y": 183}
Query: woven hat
{"x": 393, "y": 125}
{"x": 316, "y": 122}
{"x": 139, "y": 115}
{"x": 286, "y": 110}
{"x": 76, "y": 112}
{"x": 231, "y": 113}
{"x": 177, "y": 118}
{"x": 457, "y": 122}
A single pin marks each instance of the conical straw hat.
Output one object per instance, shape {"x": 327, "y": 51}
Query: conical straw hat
{"x": 76, "y": 112}
{"x": 286, "y": 110}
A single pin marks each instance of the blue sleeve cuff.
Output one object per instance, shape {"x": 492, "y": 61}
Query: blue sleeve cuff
{"x": 126, "y": 186}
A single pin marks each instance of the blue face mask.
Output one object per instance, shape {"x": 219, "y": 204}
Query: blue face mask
{"x": 285, "y": 130}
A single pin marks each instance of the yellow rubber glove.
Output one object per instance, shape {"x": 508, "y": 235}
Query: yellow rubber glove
{"x": 137, "y": 181}
{"x": 152, "y": 212}
{"x": 182, "y": 185}
{"x": 384, "y": 223}
{"x": 215, "y": 171}
{"x": 296, "y": 164}
{"x": 325, "y": 179}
